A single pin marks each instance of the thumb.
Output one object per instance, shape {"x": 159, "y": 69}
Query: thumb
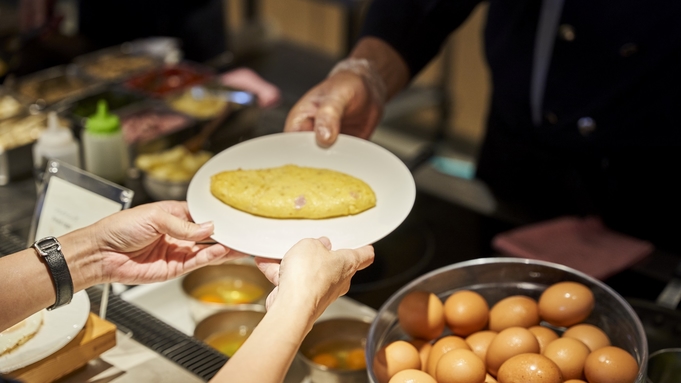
{"x": 328, "y": 120}
{"x": 271, "y": 297}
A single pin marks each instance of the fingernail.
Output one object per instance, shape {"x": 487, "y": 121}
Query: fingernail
{"x": 206, "y": 224}
{"x": 324, "y": 132}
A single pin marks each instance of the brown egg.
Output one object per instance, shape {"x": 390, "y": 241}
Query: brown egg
{"x": 569, "y": 355}
{"x": 395, "y": 357}
{"x": 479, "y": 342}
{"x": 610, "y": 364}
{"x": 460, "y": 366}
{"x": 529, "y": 368}
{"x": 544, "y": 335}
{"x": 514, "y": 311}
{"x": 490, "y": 379}
{"x": 421, "y": 315}
{"x": 592, "y": 336}
{"x": 412, "y": 376}
{"x": 423, "y": 348}
{"x": 566, "y": 303}
{"x": 441, "y": 347}
{"x": 466, "y": 312}
{"x": 574, "y": 381}
{"x": 508, "y": 343}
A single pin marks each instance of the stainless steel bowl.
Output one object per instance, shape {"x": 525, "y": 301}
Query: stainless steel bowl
{"x": 325, "y": 332}
{"x": 243, "y": 271}
{"x": 497, "y": 278}
{"x": 242, "y": 320}
{"x": 161, "y": 190}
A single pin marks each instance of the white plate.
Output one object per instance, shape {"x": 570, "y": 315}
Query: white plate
{"x": 387, "y": 175}
{"x": 59, "y": 327}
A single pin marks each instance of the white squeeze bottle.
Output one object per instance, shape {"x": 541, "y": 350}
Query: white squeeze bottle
{"x": 105, "y": 153}
{"x": 56, "y": 142}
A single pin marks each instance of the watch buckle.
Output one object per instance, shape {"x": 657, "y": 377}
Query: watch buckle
{"x": 46, "y": 245}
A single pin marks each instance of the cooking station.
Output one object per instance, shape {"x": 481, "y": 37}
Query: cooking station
{"x": 451, "y": 221}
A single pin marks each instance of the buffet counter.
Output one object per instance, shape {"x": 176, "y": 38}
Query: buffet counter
{"x": 130, "y": 361}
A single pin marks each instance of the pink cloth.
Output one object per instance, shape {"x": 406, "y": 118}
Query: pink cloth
{"x": 584, "y": 244}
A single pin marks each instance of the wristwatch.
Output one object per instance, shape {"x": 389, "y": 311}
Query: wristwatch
{"x": 50, "y": 251}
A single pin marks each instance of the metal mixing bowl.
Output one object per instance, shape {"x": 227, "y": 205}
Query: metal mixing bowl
{"x": 497, "y": 278}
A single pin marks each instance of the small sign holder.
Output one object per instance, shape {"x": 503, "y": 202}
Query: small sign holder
{"x": 69, "y": 199}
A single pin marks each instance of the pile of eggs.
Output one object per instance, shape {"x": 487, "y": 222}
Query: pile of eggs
{"x": 517, "y": 340}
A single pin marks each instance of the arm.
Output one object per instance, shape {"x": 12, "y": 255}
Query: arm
{"x": 353, "y": 97}
{"x": 398, "y": 39}
{"x": 148, "y": 243}
{"x": 308, "y": 280}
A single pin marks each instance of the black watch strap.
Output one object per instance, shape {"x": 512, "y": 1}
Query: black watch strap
{"x": 50, "y": 250}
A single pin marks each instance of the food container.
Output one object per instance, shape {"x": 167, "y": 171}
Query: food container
{"x": 197, "y": 102}
{"x": 166, "y": 49}
{"x": 338, "y": 342}
{"x": 17, "y": 136}
{"x": 226, "y": 331}
{"x": 229, "y": 286}
{"x": 10, "y": 106}
{"x": 166, "y": 174}
{"x": 664, "y": 366}
{"x": 207, "y": 101}
{"x": 162, "y": 82}
{"x": 147, "y": 122}
{"x": 116, "y": 100}
{"x": 497, "y": 278}
{"x": 115, "y": 63}
{"x": 50, "y": 86}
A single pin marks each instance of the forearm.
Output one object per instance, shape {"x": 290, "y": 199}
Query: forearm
{"x": 385, "y": 61}
{"x": 26, "y": 283}
{"x": 269, "y": 351}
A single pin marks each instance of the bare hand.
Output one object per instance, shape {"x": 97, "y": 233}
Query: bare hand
{"x": 312, "y": 275}
{"x": 154, "y": 242}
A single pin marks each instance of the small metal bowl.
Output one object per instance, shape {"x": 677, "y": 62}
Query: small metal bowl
{"x": 324, "y": 333}
{"x": 161, "y": 190}
{"x": 241, "y": 272}
{"x": 238, "y": 321}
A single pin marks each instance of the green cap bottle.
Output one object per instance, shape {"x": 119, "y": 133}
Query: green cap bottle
{"x": 103, "y": 122}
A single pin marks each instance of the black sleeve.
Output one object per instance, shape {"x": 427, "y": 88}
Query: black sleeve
{"x": 416, "y": 28}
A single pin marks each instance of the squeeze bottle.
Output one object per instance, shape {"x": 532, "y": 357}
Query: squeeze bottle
{"x": 105, "y": 153}
{"x": 56, "y": 142}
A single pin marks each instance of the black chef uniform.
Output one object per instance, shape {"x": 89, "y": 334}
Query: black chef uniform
{"x": 608, "y": 137}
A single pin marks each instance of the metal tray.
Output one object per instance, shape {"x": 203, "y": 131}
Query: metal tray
{"x": 50, "y": 87}
{"x": 115, "y": 63}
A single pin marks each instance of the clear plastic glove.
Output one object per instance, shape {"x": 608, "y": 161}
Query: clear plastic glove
{"x": 350, "y": 101}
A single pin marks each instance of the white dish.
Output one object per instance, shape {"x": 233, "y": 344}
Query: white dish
{"x": 59, "y": 327}
{"x": 387, "y": 175}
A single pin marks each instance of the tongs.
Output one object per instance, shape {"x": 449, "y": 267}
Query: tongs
{"x": 240, "y": 97}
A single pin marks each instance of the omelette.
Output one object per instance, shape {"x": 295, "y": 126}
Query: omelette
{"x": 292, "y": 191}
